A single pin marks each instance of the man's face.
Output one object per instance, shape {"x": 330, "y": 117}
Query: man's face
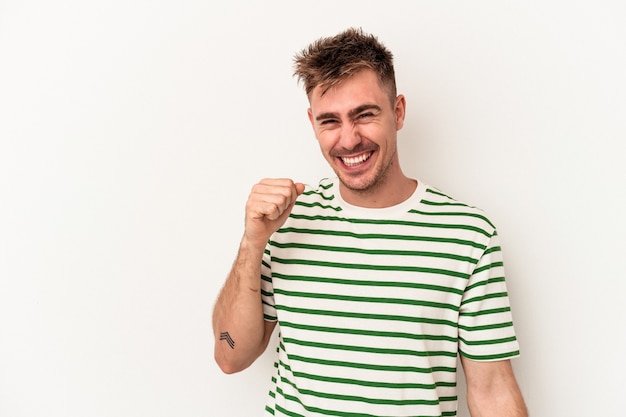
{"x": 356, "y": 127}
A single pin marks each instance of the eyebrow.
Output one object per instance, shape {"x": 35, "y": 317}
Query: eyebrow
{"x": 351, "y": 113}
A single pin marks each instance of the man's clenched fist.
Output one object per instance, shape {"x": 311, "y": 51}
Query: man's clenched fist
{"x": 268, "y": 207}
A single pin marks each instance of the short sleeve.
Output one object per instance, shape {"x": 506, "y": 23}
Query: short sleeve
{"x": 267, "y": 289}
{"x": 486, "y": 330}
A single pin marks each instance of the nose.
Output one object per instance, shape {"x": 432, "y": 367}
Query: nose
{"x": 350, "y": 137}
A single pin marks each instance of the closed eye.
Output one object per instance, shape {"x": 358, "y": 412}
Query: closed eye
{"x": 364, "y": 117}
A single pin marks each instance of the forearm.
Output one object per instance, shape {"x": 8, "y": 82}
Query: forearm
{"x": 241, "y": 333}
{"x": 504, "y": 401}
{"x": 492, "y": 389}
{"x": 238, "y": 325}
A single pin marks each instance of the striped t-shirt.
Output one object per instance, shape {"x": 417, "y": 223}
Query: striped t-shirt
{"x": 373, "y": 305}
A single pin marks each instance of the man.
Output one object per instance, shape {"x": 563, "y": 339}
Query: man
{"x": 376, "y": 280}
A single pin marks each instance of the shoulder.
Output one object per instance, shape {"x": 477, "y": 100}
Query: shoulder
{"x": 438, "y": 204}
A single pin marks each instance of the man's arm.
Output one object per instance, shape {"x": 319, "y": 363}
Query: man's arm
{"x": 492, "y": 389}
{"x": 241, "y": 334}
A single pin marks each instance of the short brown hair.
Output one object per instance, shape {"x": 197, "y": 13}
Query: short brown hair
{"x": 330, "y": 60}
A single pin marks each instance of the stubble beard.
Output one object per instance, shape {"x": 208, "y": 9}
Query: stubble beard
{"x": 371, "y": 185}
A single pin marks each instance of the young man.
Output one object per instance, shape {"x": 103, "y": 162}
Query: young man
{"x": 376, "y": 280}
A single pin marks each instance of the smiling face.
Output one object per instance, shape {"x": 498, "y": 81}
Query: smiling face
{"x": 356, "y": 126}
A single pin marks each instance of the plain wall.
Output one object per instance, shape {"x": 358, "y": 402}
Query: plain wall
{"x": 132, "y": 131}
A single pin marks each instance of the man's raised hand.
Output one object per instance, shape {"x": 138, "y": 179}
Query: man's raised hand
{"x": 268, "y": 207}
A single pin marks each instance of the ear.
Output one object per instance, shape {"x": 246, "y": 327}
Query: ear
{"x": 309, "y": 113}
{"x": 400, "y": 111}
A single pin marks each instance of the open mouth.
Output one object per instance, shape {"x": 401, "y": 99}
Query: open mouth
{"x": 352, "y": 161}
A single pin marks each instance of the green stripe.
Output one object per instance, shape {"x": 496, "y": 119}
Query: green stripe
{"x": 392, "y": 222}
{"x": 372, "y": 367}
{"x": 376, "y": 384}
{"x": 380, "y": 401}
{"x": 444, "y": 203}
{"x": 285, "y": 411}
{"x": 295, "y": 245}
{"x": 486, "y": 326}
{"x": 318, "y": 410}
{"x": 492, "y": 250}
{"x": 371, "y": 267}
{"x": 368, "y": 283}
{"x": 489, "y": 266}
{"x": 453, "y": 214}
{"x": 485, "y": 312}
{"x": 321, "y": 195}
{"x": 316, "y": 204}
{"x": 323, "y": 186}
{"x": 489, "y": 341}
{"x": 437, "y": 192}
{"x": 360, "y": 332}
{"x": 491, "y": 357}
{"x": 485, "y": 282}
{"x": 382, "y": 236}
{"x": 331, "y": 313}
{"x": 359, "y": 299}
{"x": 484, "y": 297}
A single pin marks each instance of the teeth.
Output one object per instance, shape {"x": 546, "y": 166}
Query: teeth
{"x": 355, "y": 160}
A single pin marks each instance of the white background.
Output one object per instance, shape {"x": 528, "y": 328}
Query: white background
{"x": 132, "y": 131}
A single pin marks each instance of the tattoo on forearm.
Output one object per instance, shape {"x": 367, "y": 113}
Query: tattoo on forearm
{"x": 229, "y": 340}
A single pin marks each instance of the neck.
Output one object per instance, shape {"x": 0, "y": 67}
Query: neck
{"x": 384, "y": 194}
